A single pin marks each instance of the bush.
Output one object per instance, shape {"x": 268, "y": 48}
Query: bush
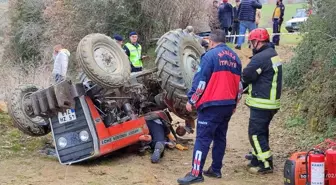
{"x": 26, "y": 29}
{"x": 311, "y": 76}
{"x": 37, "y": 25}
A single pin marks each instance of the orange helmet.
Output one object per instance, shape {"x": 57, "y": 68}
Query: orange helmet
{"x": 259, "y": 34}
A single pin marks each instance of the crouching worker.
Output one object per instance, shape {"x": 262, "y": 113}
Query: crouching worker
{"x": 264, "y": 78}
{"x": 160, "y": 135}
{"x": 215, "y": 93}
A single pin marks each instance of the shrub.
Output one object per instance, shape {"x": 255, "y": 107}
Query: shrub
{"x": 37, "y": 25}
{"x": 311, "y": 76}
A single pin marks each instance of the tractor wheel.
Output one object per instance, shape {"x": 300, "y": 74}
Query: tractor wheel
{"x": 103, "y": 60}
{"x": 82, "y": 77}
{"x": 178, "y": 58}
{"x": 20, "y": 110}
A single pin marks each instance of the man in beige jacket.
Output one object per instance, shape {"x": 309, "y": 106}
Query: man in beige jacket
{"x": 258, "y": 17}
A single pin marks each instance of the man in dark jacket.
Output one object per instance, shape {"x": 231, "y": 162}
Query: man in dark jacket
{"x": 264, "y": 78}
{"x": 213, "y": 16}
{"x": 235, "y": 26}
{"x": 215, "y": 92}
{"x": 225, "y": 15}
{"x": 247, "y": 15}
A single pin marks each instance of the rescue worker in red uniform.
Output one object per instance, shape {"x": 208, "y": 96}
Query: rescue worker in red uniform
{"x": 264, "y": 78}
{"x": 214, "y": 93}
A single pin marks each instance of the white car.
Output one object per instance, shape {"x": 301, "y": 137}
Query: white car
{"x": 294, "y": 24}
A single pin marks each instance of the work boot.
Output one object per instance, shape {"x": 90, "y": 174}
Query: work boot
{"x": 261, "y": 169}
{"x": 249, "y": 156}
{"x": 238, "y": 47}
{"x": 254, "y": 162}
{"x": 211, "y": 173}
{"x": 190, "y": 179}
{"x": 158, "y": 152}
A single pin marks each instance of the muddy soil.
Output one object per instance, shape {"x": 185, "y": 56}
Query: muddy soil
{"x": 129, "y": 168}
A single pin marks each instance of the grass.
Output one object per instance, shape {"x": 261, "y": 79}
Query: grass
{"x": 14, "y": 143}
{"x": 266, "y": 21}
{"x": 267, "y": 12}
{"x": 150, "y": 62}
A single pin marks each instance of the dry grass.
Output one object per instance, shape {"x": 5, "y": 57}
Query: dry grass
{"x": 12, "y": 76}
{"x": 14, "y": 143}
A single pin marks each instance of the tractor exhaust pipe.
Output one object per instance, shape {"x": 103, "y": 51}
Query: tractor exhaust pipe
{"x": 128, "y": 109}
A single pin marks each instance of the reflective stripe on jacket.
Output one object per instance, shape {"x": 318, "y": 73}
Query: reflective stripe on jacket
{"x": 264, "y": 76}
{"x": 279, "y": 12}
{"x": 217, "y": 80}
{"x": 135, "y": 54}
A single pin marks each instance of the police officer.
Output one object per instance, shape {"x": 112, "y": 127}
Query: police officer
{"x": 133, "y": 50}
{"x": 264, "y": 78}
{"x": 119, "y": 39}
{"x": 278, "y": 15}
{"x": 214, "y": 93}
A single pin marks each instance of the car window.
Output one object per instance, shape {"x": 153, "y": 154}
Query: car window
{"x": 300, "y": 13}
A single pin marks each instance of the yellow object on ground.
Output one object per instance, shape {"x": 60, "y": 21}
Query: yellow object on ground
{"x": 180, "y": 147}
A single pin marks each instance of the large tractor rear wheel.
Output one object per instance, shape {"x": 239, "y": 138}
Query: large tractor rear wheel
{"x": 178, "y": 58}
{"x": 103, "y": 60}
{"x": 20, "y": 110}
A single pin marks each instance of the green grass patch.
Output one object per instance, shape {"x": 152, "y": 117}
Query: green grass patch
{"x": 268, "y": 9}
{"x": 150, "y": 62}
{"x": 295, "y": 121}
{"x": 14, "y": 143}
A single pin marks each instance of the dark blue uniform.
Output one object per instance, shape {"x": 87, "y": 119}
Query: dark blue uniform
{"x": 277, "y": 22}
{"x": 215, "y": 92}
{"x": 264, "y": 76}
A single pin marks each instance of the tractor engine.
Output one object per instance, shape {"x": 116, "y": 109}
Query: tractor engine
{"x": 118, "y": 105}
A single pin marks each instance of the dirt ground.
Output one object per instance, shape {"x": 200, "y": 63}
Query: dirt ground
{"x": 130, "y": 168}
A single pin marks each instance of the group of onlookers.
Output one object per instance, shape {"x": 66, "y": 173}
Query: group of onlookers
{"x": 245, "y": 15}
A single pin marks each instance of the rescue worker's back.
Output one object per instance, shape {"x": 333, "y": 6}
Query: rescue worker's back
{"x": 219, "y": 66}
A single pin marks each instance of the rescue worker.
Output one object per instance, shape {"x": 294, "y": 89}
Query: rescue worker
{"x": 214, "y": 93}
{"x": 264, "y": 78}
{"x": 61, "y": 61}
{"x": 258, "y": 17}
{"x": 159, "y": 132}
{"x": 119, "y": 39}
{"x": 213, "y": 16}
{"x": 278, "y": 15}
{"x": 133, "y": 50}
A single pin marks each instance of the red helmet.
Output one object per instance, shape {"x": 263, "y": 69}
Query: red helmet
{"x": 259, "y": 34}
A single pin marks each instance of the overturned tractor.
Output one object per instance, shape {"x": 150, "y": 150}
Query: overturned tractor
{"x": 108, "y": 109}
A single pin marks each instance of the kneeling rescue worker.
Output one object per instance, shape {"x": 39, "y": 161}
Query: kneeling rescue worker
{"x": 215, "y": 92}
{"x": 264, "y": 78}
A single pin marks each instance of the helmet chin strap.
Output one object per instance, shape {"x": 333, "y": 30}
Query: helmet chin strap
{"x": 255, "y": 46}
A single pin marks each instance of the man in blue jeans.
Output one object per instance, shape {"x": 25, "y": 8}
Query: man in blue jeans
{"x": 247, "y": 14}
{"x": 215, "y": 93}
